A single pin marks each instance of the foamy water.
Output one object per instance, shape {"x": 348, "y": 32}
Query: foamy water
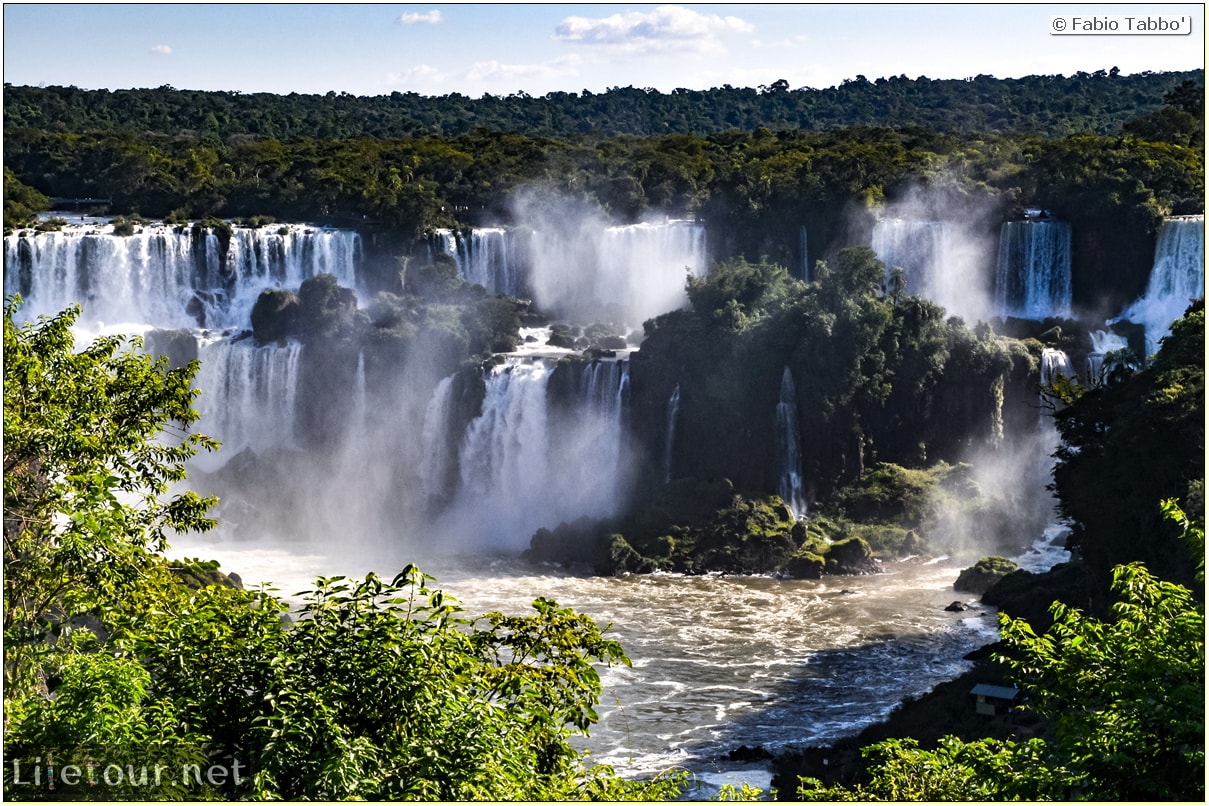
{"x": 718, "y": 662}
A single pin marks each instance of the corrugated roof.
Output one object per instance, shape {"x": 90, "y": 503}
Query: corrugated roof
{"x": 998, "y": 692}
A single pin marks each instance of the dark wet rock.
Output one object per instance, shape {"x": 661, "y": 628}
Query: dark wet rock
{"x": 275, "y": 314}
{"x": 956, "y": 607}
{"x": 1023, "y": 594}
{"x": 745, "y": 753}
{"x": 178, "y": 346}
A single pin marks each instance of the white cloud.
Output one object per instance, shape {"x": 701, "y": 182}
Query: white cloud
{"x": 564, "y": 66}
{"x": 665, "y": 28}
{"x": 419, "y": 77}
{"x": 161, "y": 50}
{"x": 414, "y": 17}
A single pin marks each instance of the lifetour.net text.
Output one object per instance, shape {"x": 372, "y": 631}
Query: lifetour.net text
{"x": 96, "y": 775}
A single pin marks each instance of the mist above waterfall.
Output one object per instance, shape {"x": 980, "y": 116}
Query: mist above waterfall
{"x": 588, "y": 268}
{"x": 940, "y": 238}
{"x": 1012, "y": 506}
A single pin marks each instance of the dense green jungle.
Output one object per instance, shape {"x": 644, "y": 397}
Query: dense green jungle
{"x": 389, "y": 689}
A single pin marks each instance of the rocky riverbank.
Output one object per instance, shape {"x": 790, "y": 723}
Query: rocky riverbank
{"x": 949, "y": 709}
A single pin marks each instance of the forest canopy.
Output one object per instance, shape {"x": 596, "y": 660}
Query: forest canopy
{"x": 1049, "y": 106}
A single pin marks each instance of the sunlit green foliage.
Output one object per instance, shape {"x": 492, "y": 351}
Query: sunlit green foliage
{"x": 383, "y": 691}
{"x": 986, "y": 770}
{"x": 1128, "y": 694}
{"x": 92, "y": 441}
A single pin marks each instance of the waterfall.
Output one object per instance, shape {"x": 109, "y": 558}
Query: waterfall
{"x": 1032, "y": 278}
{"x": 358, "y": 422}
{"x": 1177, "y": 277}
{"x": 939, "y": 259}
{"x": 604, "y": 385}
{"x": 504, "y": 456}
{"x": 1103, "y": 343}
{"x": 917, "y": 247}
{"x": 1054, "y": 364}
{"x": 591, "y": 272}
{"x": 643, "y": 266}
{"x": 150, "y": 277}
{"x": 802, "y": 244}
{"x": 789, "y": 447}
{"x": 521, "y": 469}
{"x": 169, "y": 277}
{"x": 601, "y": 382}
{"x": 491, "y": 257}
{"x": 673, "y": 413}
{"x": 247, "y": 399}
{"x": 437, "y": 461}
{"x": 284, "y": 256}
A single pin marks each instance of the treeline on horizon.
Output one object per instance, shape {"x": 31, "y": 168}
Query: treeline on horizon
{"x": 1042, "y": 105}
{"x": 755, "y": 189}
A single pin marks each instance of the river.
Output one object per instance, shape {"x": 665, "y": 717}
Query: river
{"x": 718, "y": 661}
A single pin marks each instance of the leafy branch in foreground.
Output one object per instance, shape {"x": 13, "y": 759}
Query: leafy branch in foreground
{"x": 92, "y": 441}
{"x": 384, "y": 691}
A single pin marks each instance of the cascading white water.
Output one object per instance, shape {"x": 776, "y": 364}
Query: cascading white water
{"x": 1103, "y": 342}
{"x": 521, "y": 469}
{"x": 358, "y": 421}
{"x": 918, "y": 247}
{"x": 248, "y": 397}
{"x": 436, "y": 458}
{"x": 149, "y": 278}
{"x": 601, "y": 384}
{"x": 491, "y": 257}
{"x": 1177, "y": 277}
{"x": 1054, "y": 364}
{"x": 175, "y": 278}
{"x": 590, "y": 272}
{"x": 802, "y": 244}
{"x": 1032, "y": 277}
{"x": 282, "y": 257}
{"x": 673, "y": 414}
{"x": 789, "y": 448}
{"x": 169, "y": 277}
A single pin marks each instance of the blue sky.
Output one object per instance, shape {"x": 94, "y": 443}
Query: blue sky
{"x": 372, "y": 49}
